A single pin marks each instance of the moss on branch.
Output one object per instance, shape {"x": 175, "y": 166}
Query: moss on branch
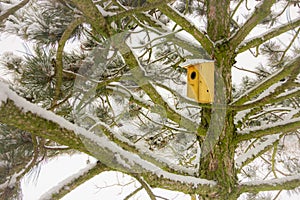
{"x": 14, "y": 116}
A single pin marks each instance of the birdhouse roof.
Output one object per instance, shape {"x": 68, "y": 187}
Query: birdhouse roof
{"x": 194, "y": 62}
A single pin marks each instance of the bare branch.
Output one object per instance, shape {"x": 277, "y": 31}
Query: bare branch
{"x": 12, "y": 10}
{"x": 146, "y": 187}
{"x": 259, "y": 14}
{"x": 133, "y": 193}
{"x": 59, "y": 55}
{"x": 253, "y": 42}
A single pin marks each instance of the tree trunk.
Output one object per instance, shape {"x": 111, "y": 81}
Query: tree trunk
{"x": 217, "y": 162}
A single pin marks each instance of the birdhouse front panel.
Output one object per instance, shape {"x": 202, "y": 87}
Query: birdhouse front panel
{"x": 201, "y": 82}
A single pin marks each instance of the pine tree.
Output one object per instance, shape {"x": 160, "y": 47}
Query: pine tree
{"x": 113, "y": 71}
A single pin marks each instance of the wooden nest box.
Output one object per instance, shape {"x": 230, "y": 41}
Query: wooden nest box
{"x": 200, "y": 80}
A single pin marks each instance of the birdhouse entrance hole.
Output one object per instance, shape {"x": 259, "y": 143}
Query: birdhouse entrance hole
{"x": 193, "y": 75}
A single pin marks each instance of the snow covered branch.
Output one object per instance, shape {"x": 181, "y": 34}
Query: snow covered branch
{"x": 260, "y": 131}
{"x": 75, "y": 180}
{"x": 261, "y": 12}
{"x": 274, "y": 97}
{"x": 140, "y": 9}
{"x": 259, "y": 149}
{"x": 12, "y": 10}
{"x": 253, "y": 42}
{"x": 285, "y": 72}
{"x": 17, "y": 112}
{"x": 286, "y": 183}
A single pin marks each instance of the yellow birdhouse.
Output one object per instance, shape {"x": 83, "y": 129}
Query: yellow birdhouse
{"x": 200, "y": 80}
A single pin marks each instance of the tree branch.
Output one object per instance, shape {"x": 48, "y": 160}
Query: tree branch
{"x": 130, "y": 12}
{"x": 133, "y": 193}
{"x": 253, "y": 42}
{"x": 146, "y": 187}
{"x": 286, "y": 183}
{"x": 272, "y": 98}
{"x": 138, "y": 74}
{"x": 285, "y": 72}
{"x": 279, "y": 127}
{"x": 16, "y": 111}
{"x": 259, "y": 14}
{"x": 188, "y": 27}
{"x": 146, "y": 85}
{"x": 12, "y": 10}
{"x": 259, "y": 149}
{"x": 72, "y": 182}
{"x": 59, "y": 56}
{"x": 94, "y": 17}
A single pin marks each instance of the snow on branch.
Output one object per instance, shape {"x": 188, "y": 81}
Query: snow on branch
{"x": 257, "y": 40}
{"x": 260, "y": 131}
{"x": 15, "y": 109}
{"x": 285, "y": 72}
{"x": 286, "y": 183}
{"x": 12, "y": 10}
{"x": 129, "y": 12}
{"x": 261, "y": 11}
{"x": 253, "y": 153}
{"x": 73, "y": 181}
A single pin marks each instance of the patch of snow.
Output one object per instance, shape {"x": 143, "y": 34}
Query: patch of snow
{"x": 289, "y": 92}
{"x": 103, "y": 12}
{"x": 194, "y": 61}
{"x": 240, "y": 115}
